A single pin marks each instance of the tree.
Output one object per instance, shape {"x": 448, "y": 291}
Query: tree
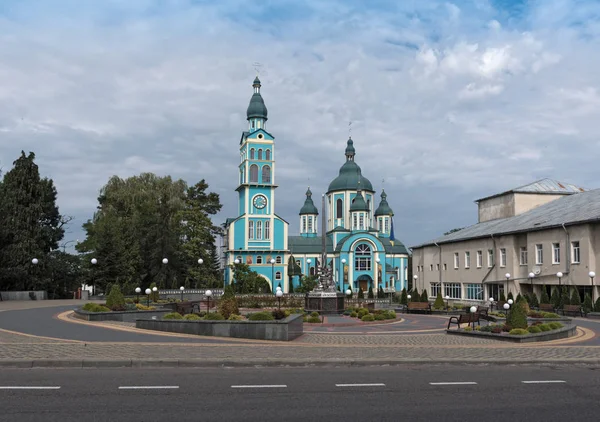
{"x": 404, "y": 297}
{"x": 510, "y": 296}
{"x": 517, "y": 317}
{"x": 597, "y": 305}
{"x": 564, "y": 298}
{"x": 534, "y": 301}
{"x": 544, "y": 298}
{"x": 370, "y": 293}
{"x": 307, "y": 284}
{"x": 588, "y": 305}
{"x": 575, "y": 298}
{"x": 439, "y": 301}
{"x": 380, "y": 293}
{"x": 30, "y": 226}
{"x": 361, "y": 294}
{"x": 502, "y": 296}
{"x": 293, "y": 270}
{"x": 555, "y": 298}
{"x": 248, "y": 281}
{"x": 115, "y": 299}
{"x": 424, "y": 296}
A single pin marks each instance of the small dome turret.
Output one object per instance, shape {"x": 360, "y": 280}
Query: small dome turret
{"x": 256, "y": 108}
{"x": 309, "y": 206}
{"x": 350, "y": 174}
{"x": 384, "y": 207}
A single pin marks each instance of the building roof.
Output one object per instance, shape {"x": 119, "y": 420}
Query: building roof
{"x": 309, "y": 206}
{"x": 303, "y": 245}
{"x": 542, "y": 186}
{"x": 257, "y": 107}
{"x": 580, "y": 208}
{"x": 350, "y": 174}
{"x": 384, "y": 207}
{"x": 358, "y": 203}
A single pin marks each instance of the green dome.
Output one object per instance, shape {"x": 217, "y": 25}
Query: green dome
{"x": 256, "y": 108}
{"x": 359, "y": 204}
{"x": 309, "y": 206}
{"x": 383, "y": 208}
{"x": 350, "y": 174}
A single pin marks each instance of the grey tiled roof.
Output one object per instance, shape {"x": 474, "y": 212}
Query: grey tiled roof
{"x": 543, "y": 186}
{"x": 301, "y": 245}
{"x": 568, "y": 210}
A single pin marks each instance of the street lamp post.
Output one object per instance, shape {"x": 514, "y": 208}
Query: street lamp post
{"x": 34, "y": 261}
{"x": 447, "y": 304}
{"x": 531, "y": 276}
{"x": 343, "y": 272}
{"x": 592, "y": 275}
{"x": 93, "y": 261}
{"x": 148, "y": 292}
{"x": 200, "y": 262}
{"x": 507, "y": 275}
{"x": 182, "y": 289}
{"x": 208, "y": 294}
{"x": 348, "y": 293}
{"x": 491, "y": 299}
{"x": 506, "y": 306}
{"x": 415, "y": 281}
{"x": 138, "y": 291}
{"x": 154, "y": 289}
{"x": 235, "y": 262}
{"x": 279, "y": 294}
{"x": 308, "y": 261}
{"x": 560, "y": 276}
{"x": 473, "y": 309}
{"x": 272, "y": 271}
{"x": 409, "y": 297}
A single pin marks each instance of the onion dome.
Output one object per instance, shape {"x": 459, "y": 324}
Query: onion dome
{"x": 350, "y": 174}
{"x": 384, "y": 207}
{"x": 309, "y": 206}
{"x": 256, "y": 108}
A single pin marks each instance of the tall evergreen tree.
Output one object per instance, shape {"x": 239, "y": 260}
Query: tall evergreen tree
{"x": 30, "y": 226}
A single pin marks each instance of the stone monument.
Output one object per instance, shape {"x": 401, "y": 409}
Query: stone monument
{"x": 324, "y": 298}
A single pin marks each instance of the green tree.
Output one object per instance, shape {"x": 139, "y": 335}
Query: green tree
{"x": 30, "y": 226}
{"x": 517, "y": 317}
{"x": 502, "y": 296}
{"x": 370, "y": 293}
{"x": 544, "y": 298}
{"x": 564, "y": 298}
{"x": 248, "y": 281}
{"x": 439, "y": 301}
{"x": 510, "y": 296}
{"x": 307, "y": 284}
{"x": 115, "y": 299}
{"x": 575, "y": 298}
{"x": 380, "y": 293}
{"x": 404, "y": 297}
{"x": 555, "y": 298}
{"x": 534, "y": 303}
{"x": 597, "y": 305}
{"x": 361, "y": 294}
{"x": 415, "y": 296}
{"x": 293, "y": 270}
{"x": 424, "y": 296}
{"x": 588, "y": 305}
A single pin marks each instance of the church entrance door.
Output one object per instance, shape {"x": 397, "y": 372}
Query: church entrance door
{"x": 363, "y": 282}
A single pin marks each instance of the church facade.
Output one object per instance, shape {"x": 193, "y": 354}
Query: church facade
{"x": 361, "y": 247}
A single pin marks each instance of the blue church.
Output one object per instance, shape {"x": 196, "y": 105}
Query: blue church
{"x": 361, "y": 248}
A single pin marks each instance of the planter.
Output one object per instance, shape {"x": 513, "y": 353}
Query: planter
{"x": 122, "y": 316}
{"x": 563, "y": 332}
{"x": 560, "y": 319}
{"x": 286, "y": 329}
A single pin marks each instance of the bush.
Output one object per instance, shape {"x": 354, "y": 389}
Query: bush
{"x": 347, "y": 312}
{"x": 380, "y": 293}
{"x": 314, "y": 320}
{"x": 262, "y": 316}
{"x": 468, "y": 329}
{"x": 555, "y": 325}
{"x": 173, "y": 315}
{"x": 390, "y": 314}
{"x": 517, "y": 317}
{"x": 141, "y": 307}
{"x": 380, "y": 317}
{"x": 497, "y": 329}
{"x": 278, "y": 314}
{"x": 228, "y": 307}
{"x": 130, "y": 307}
{"x": 370, "y": 293}
{"x": 534, "y": 329}
{"x": 129, "y": 300}
{"x": 487, "y": 328}
{"x": 575, "y": 298}
{"x": 544, "y": 298}
{"x": 314, "y": 314}
{"x": 192, "y": 317}
{"x": 354, "y": 315}
{"x": 550, "y": 315}
{"x": 510, "y": 296}
{"x": 234, "y": 317}
{"x": 564, "y": 298}
{"x": 424, "y": 296}
{"x": 95, "y": 307}
{"x": 502, "y": 296}
{"x": 115, "y": 299}
{"x": 439, "y": 301}
{"x": 214, "y": 316}
{"x": 361, "y": 294}
{"x": 588, "y": 305}
{"x": 544, "y": 327}
{"x": 518, "y": 332}
{"x": 404, "y": 297}
{"x": 362, "y": 312}
{"x": 534, "y": 301}
{"x": 368, "y": 317}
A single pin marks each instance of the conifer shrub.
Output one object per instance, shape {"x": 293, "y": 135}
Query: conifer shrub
{"x": 154, "y": 295}
{"x": 517, "y": 317}
{"x": 361, "y": 294}
{"x": 215, "y": 316}
{"x": 368, "y": 317}
{"x": 173, "y": 315}
{"x": 502, "y": 296}
{"x": 534, "y": 303}
{"x": 510, "y": 296}
{"x": 575, "y": 298}
{"x": 534, "y": 329}
{"x": 424, "y": 296}
{"x": 597, "y": 305}
{"x": 263, "y": 316}
{"x": 115, "y": 299}
{"x": 370, "y": 293}
{"x": 228, "y": 307}
{"x": 544, "y": 298}
{"x": 404, "y": 297}
{"x": 588, "y": 305}
{"x": 192, "y": 317}
{"x": 439, "y": 301}
{"x": 565, "y": 299}
{"x": 518, "y": 332}
{"x": 380, "y": 293}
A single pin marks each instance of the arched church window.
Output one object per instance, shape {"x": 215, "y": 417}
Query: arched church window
{"x": 278, "y": 275}
{"x": 278, "y": 260}
{"x": 312, "y": 271}
{"x": 253, "y": 173}
{"x": 260, "y": 154}
{"x": 259, "y": 259}
{"x": 362, "y": 258}
{"x": 259, "y": 230}
{"x": 267, "y": 230}
{"x": 266, "y": 174}
{"x": 252, "y": 153}
{"x": 339, "y": 209}
{"x": 268, "y": 154}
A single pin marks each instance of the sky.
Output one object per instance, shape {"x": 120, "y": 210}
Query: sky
{"x": 449, "y": 101}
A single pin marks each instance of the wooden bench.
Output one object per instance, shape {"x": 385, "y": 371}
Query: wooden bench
{"x": 546, "y": 307}
{"x": 469, "y": 318}
{"x": 419, "y": 306}
{"x": 573, "y": 309}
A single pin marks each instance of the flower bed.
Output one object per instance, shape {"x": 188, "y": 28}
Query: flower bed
{"x": 533, "y": 333}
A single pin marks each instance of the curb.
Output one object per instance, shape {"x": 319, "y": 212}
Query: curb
{"x": 204, "y": 363}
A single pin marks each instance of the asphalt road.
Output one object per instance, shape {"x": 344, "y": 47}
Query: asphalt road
{"x": 428, "y": 393}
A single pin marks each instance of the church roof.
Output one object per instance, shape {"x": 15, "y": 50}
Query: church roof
{"x": 358, "y": 203}
{"x": 257, "y": 107}
{"x": 309, "y": 206}
{"x": 302, "y": 245}
{"x": 384, "y": 207}
{"x": 350, "y": 174}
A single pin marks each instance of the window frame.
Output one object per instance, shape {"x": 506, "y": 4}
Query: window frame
{"x": 490, "y": 258}
{"x": 479, "y": 259}
{"x": 539, "y": 254}
{"x": 468, "y": 259}
{"x": 363, "y": 257}
{"x": 267, "y": 230}
{"x": 523, "y": 258}
{"x": 454, "y": 290}
{"x": 265, "y": 174}
{"x": 251, "y": 229}
{"x": 254, "y": 172}
{"x": 502, "y": 257}
{"x": 555, "y": 253}
{"x": 456, "y": 260}
{"x": 339, "y": 208}
{"x": 259, "y": 259}
{"x": 576, "y": 252}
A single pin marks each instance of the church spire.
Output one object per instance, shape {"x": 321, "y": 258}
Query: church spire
{"x": 350, "y": 151}
{"x": 308, "y": 217}
{"x": 257, "y": 111}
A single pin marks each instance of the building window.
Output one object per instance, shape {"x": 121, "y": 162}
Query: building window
{"x": 556, "y": 253}
{"x": 576, "y": 253}
{"x": 252, "y": 153}
{"x": 362, "y": 260}
{"x": 239, "y": 258}
{"x": 260, "y": 154}
{"x": 361, "y": 221}
{"x": 253, "y": 173}
{"x": 523, "y": 255}
{"x": 278, "y": 275}
{"x": 539, "y": 254}
{"x": 303, "y": 224}
{"x": 259, "y": 259}
{"x": 437, "y": 267}
{"x": 354, "y": 220}
{"x": 503, "y": 257}
{"x": 268, "y": 154}
{"x": 456, "y": 260}
{"x": 452, "y": 290}
{"x": 473, "y": 291}
{"x": 467, "y": 259}
{"x": 311, "y": 271}
{"x": 379, "y": 225}
{"x": 251, "y": 230}
{"x": 310, "y": 224}
{"x": 266, "y": 174}
{"x": 445, "y": 267}
{"x": 259, "y": 230}
{"x": 278, "y": 260}
{"x": 339, "y": 209}
{"x": 479, "y": 259}
{"x": 490, "y": 258}
{"x": 386, "y": 221}
{"x": 430, "y": 267}
{"x": 267, "y": 230}
{"x": 435, "y": 289}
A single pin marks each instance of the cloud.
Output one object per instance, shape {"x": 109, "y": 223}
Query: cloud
{"x": 450, "y": 101}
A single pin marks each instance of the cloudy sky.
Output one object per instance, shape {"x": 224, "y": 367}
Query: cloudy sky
{"x": 450, "y": 101}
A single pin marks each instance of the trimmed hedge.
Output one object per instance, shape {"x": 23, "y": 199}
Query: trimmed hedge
{"x": 173, "y": 315}
{"x": 192, "y": 317}
{"x": 94, "y": 307}
{"x": 261, "y": 316}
